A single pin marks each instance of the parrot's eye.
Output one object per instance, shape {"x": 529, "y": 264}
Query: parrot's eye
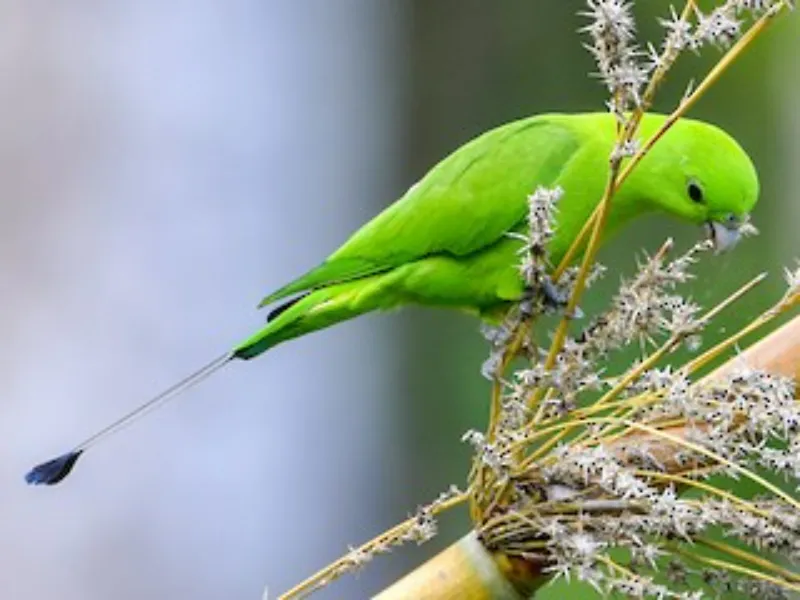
{"x": 695, "y": 191}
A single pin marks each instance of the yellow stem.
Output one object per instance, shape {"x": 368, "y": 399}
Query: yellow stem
{"x": 718, "y": 458}
{"x": 687, "y": 103}
{"x": 333, "y": 570}
{"x": 667, "y": 347}
{"x": 497, "y": 387}
{"x": 737, "y": 568}
{"x": 749, "y": 557}
{"x": 712, "y": 353}
{"x": 700, "y": 485}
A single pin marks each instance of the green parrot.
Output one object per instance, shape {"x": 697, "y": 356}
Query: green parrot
{"x": 445, "y": 242}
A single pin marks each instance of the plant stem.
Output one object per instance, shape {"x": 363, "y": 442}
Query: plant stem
{"x": 451, "y": 575}
{"x": 687, "y": 103}
{"x": 464, "y": 571}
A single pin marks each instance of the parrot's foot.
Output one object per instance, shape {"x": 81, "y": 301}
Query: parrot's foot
{"x": 554, "y": 298}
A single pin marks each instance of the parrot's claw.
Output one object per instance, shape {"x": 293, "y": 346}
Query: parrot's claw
{"x": 554, "y": 296}
{"x": 557, "y": 299}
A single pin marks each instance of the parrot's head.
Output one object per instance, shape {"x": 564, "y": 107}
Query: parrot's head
{"x": 705, "y": 177}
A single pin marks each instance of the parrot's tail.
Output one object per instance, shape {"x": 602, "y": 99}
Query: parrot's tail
{"x": 320, "y": 309}
{"x": 316, "y": 310}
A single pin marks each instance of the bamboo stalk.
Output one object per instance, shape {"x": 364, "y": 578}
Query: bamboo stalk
{"x": 464, "y": 571}
{"x": 778, "y": 353}
{"x": 467, "y": 571}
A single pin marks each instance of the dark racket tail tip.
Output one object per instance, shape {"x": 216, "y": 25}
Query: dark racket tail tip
{"x": 53, "y": 471}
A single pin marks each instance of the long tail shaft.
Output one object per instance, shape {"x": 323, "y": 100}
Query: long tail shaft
{"x": 55, "y": 470}
{"x": 317, "y": 310}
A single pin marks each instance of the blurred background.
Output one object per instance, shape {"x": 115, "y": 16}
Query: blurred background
{"x": 163, "y": 165}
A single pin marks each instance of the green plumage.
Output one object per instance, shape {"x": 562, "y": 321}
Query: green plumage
{"x": 444, "y": 242}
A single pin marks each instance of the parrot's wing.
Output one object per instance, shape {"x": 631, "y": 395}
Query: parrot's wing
{"x": 468, "y": 201}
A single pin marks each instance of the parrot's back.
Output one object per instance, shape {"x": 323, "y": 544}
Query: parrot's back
{"x": 465, "y": 203}
{"x": 445, "y": 242}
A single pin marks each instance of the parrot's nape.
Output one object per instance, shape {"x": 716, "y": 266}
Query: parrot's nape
{"x": 445, "y": 243}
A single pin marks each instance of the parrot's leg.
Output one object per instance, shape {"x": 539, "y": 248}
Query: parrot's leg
{"x": 554, "y": 296}
{"x": 557, "y": 298}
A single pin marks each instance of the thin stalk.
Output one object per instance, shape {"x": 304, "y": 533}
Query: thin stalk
{"x": 685, "y": 105}
{"x": 654, "y": 358}
{"x": 718, "y": 458}
{"x": 712, "y": 353}
{"x": 749, "y": 557}
{"x": 334, "y": 570}
{"x": 737, "y": 568}
{"x": 701, "y": 485}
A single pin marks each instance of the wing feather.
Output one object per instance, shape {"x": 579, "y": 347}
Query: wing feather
{"x": 465, "y": 203}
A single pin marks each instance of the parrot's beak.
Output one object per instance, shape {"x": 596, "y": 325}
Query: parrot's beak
{"x": 726, "y": 234}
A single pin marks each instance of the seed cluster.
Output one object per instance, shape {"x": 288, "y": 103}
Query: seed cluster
{"x": 630, "y": 481}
